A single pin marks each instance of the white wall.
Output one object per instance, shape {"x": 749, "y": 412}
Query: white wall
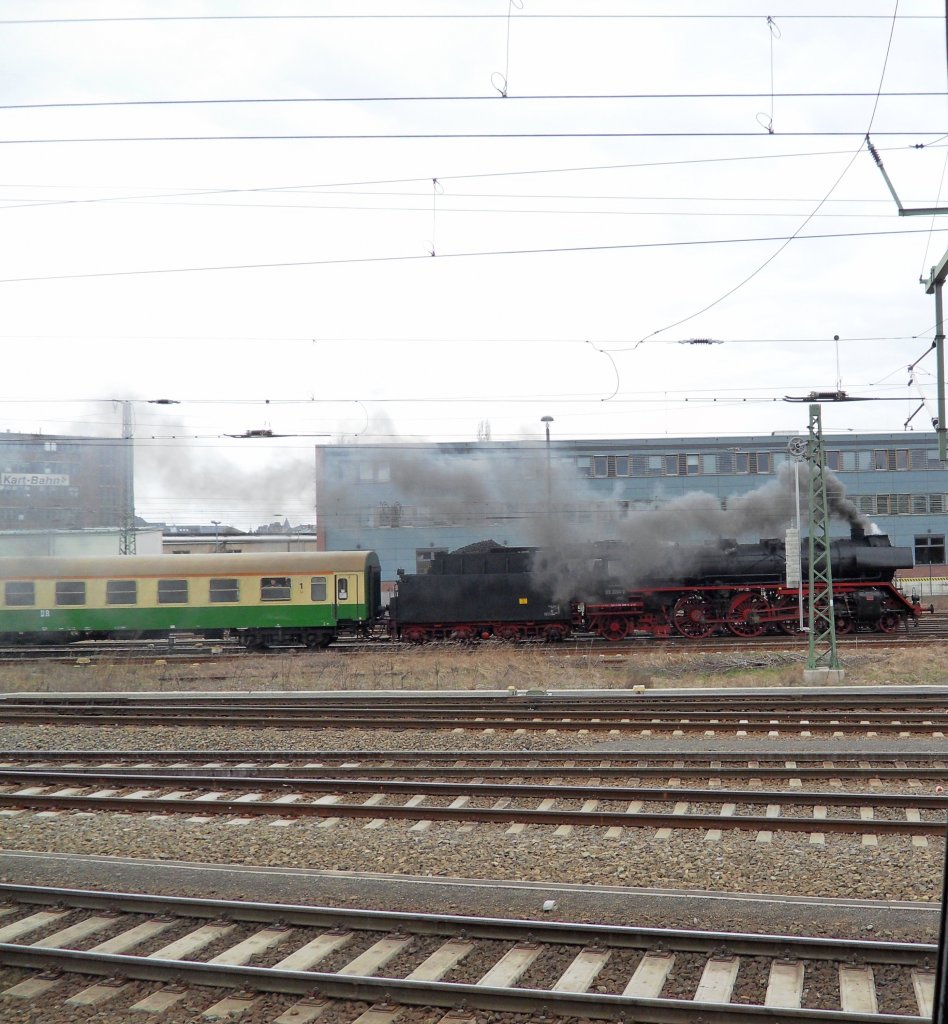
{"x": 76, "y": 542}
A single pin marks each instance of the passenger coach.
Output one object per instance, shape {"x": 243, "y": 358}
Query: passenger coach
{"x": 292, "y": 597}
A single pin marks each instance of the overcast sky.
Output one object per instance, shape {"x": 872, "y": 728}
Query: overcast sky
{"x": 404, "y": 225}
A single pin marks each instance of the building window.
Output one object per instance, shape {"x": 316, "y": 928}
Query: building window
{"x": 834, "y": 461}
{"x": 121, "y": 592}
{"x": 600, "y": 466}
{"x": 891, "y": 459}
{"x": 172, "y": 591}
{"x": 390, "y": 516}
{"x": 317, "y": 588}
{"x": 584, "y": 465}
{"x": 275, "y": 588}
{"x": 930, "y": 549}
{"x": 70, "y": 592}
{"x": 19, "y": 592}
{"x": 222, "y": 591}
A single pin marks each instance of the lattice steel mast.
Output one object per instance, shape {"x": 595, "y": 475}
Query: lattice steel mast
{"x": 822, "y": 619}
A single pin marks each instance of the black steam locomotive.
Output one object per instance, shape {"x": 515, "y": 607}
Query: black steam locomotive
{"x": 509, "y": 593}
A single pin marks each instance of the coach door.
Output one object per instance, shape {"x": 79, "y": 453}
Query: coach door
{"x": 347, "y": 596}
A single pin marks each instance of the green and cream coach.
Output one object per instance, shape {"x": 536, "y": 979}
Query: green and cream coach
{"x": 305, "y": 598}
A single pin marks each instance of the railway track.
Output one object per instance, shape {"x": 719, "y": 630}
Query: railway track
{"x": 362, "y": 966}
{"x": 836, "y": 712}
{"x": 929, "y": 630}
{"x": 241, "y": 795}
{"x": 925, "y": 768}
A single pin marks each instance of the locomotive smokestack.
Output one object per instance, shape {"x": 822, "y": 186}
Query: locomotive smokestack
{"x": 857, "y": 532}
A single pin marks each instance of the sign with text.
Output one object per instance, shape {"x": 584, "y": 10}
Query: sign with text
{"x": 34, "y": 479}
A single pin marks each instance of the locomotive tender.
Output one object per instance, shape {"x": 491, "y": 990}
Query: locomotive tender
{"x": 491, "y": 591}
{"x": 304, "y": 598}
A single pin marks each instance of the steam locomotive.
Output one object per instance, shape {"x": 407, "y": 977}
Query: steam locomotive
{"x": 490, "y": 591}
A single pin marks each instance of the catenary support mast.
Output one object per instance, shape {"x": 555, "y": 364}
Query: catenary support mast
{"x": 822, "y": 653}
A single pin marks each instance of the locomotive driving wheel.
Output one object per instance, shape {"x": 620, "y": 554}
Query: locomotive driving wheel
{"x": 845, "y": 624}
{"x": 747, "y": 615}
{"x": 690, "y": 616}
{"x": 614, "y": 628}
{"x": 414, "y": 634}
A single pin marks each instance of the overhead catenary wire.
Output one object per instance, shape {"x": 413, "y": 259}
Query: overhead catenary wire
{"x": 409, "y": 257}
{"x": 460, "y": 136}
{"x": 482, "y": 175}
{"x": 463, "y": 98}
{"x": 731, "y": 291}
{"x": 442, "y": 16}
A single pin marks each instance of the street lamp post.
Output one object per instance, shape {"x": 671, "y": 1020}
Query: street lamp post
{"x": 546, "y": 421}
{"x": 216, "y": 524}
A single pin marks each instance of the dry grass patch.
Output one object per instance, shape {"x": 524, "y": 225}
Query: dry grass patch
{"x": 487, "y": 667}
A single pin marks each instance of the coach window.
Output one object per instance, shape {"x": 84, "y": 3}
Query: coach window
{"x": 121, "y": 592}
{"x": 71, "y": 592}
{"x": 172, "y": 591}
{"x": 342, "y": 589}
{"x": 19, "y": 592}
{"x": 222, "y": 591}
{"x": 275, "y": 588}
{"x": 317, "y": 588}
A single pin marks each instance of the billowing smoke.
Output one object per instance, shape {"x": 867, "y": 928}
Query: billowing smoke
{"x": 515, "y": 496}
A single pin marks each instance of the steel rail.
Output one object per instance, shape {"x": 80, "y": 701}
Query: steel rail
{"x": 855, "y": 723}
{"x": 290, "y": 775}
{"x": 715, "y": 759}
{"x": 492, "y": 815}
{"x": 492, "y": 707}
{"x": 483, "y": 790}
{"x": 558, "y": 701}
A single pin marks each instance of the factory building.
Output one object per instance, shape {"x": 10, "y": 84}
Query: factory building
{"x": 409, "y": 501}
{"x": 50, "y": 482}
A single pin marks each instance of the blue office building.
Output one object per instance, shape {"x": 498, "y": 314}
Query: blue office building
{"x": 408, "y": 501}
